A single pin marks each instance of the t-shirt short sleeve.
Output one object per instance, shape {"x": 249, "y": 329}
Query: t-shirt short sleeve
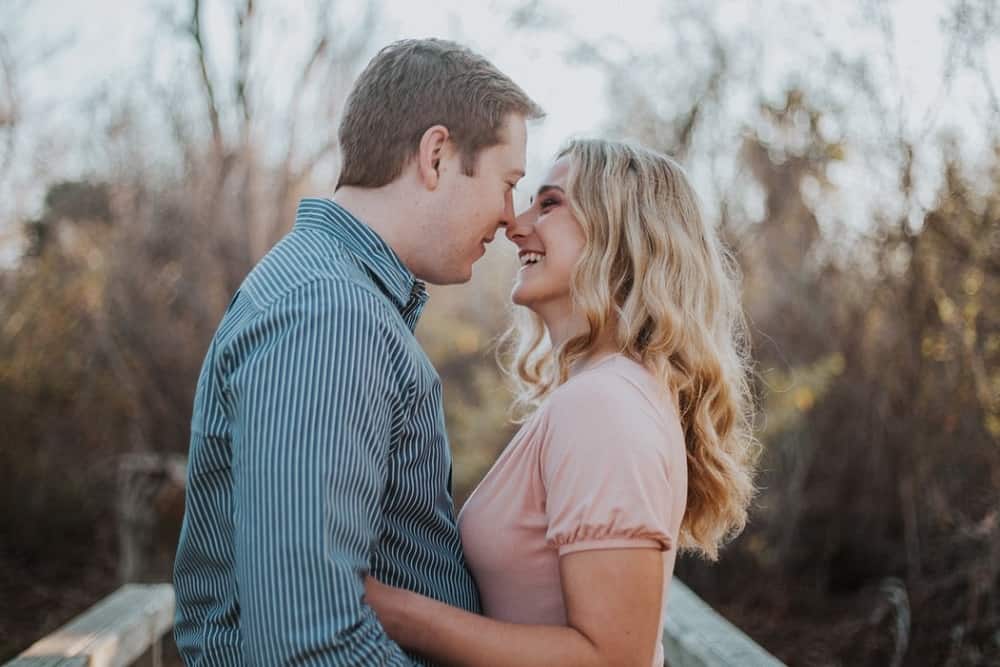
{"x": 605, "y": 468}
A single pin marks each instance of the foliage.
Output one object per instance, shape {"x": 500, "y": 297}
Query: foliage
{"x": 876, "y": 535}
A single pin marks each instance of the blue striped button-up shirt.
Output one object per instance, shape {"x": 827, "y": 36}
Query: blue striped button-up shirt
{"x": 318, "y": 453}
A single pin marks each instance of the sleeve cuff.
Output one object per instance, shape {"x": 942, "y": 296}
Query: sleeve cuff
{"x": 614, "y": 543}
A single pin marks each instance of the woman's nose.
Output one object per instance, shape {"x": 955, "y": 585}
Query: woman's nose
{"x": 522, "y": 225}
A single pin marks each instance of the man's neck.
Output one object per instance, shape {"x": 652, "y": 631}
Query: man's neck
{"x": 380, "y": 209}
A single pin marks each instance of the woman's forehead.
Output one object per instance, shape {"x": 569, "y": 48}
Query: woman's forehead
{"x": 558, "y": 171}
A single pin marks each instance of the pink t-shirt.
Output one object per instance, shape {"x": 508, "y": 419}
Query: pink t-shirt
{"x": 600, "y": 465}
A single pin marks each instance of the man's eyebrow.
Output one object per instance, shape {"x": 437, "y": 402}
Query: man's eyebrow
{"x": 545, "y": 188}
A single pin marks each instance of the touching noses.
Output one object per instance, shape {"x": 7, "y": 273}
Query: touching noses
{"x": 522, "y": 226}
{"x": 507, "y": 218}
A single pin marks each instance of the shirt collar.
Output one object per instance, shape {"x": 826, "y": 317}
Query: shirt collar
{"x": 382, "y": 262}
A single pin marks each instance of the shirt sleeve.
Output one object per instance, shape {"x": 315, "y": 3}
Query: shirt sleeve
{"x": 604, "y": 468}
{"x": 311, "y": 410}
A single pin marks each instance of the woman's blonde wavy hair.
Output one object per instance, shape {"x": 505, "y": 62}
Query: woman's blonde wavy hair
{"x": 657, "y": 280}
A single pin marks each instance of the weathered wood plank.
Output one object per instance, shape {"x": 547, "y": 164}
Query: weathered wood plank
{"x": 113, "y": 633}
{"x": 50, "y": 661}
{"x": 697, "y": 636}
{"x": 122, "y": 627}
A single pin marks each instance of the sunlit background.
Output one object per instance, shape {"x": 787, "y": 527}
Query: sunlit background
{"x": 152, "y": 150}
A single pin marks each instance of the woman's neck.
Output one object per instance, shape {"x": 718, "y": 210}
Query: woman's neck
{"x": 565, "y": 323}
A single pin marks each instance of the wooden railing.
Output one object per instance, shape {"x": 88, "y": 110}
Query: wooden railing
{"x": 697, "y": 636}
{"x": 127, "y": 627}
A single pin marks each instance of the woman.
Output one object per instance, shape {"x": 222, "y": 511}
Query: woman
{"x": 629, "y": 361}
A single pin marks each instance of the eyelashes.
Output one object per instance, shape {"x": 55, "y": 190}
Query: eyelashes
{"x": 548, "y": 203}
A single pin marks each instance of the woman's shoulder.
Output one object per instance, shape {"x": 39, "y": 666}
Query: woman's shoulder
{"x": 616, "y": 384}
{"x": 617, "y": 394}
{"x": 609, "y": 415}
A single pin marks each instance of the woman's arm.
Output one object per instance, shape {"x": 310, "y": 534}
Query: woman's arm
{"x": 613, "y": 602}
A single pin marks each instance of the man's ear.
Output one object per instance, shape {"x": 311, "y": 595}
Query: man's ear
{"x": 433, "y": 147}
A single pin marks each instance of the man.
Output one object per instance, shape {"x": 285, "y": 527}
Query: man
{"x": 318, "y": 449}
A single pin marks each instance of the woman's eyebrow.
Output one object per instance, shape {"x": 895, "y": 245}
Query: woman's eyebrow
{"x": 545, "y": 188}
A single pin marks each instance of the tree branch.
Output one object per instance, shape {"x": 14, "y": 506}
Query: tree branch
{"x": 194, "y": 29}
{"x": 244, "y": 43}
{"x": 8, "y": 108}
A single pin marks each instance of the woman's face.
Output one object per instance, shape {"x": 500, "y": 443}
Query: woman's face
{"x": 549, "y": 242}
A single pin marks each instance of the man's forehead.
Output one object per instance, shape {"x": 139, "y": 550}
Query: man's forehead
{"x": 510, "y": 154}
{"x": 511, "y": 160}
{"x": 514, "y": 128}
{"x": 514, "y": 134}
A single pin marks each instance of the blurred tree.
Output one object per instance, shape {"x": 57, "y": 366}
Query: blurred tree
{"x": 251, "y": 196}
{"x": 8, "y": 108}
{"x": 875, "y": 539}
{"x": 107, "y": 318}
{"x": 68, "y": 203}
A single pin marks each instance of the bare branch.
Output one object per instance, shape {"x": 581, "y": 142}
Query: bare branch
{"x": 354, "y": 46}
{"x": 991, "y": 90}
{"x": 244, "y": 41}
{"x": 8, "y": 109}
{"x": 320, "y": 48}
{"x": 971, "y": 25}
{"x": 194, "y": 28}
{"x": 347, "y": 52}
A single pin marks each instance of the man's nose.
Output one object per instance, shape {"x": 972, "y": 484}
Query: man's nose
{"x": 508, "y": 211}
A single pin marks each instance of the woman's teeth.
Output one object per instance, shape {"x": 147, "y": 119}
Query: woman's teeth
{"x": 529, "y": 258}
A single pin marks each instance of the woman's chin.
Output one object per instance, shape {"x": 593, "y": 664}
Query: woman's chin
{"x": 520, "y": 298}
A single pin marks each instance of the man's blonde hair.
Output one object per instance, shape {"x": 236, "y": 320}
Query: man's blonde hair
{"x": 412, "y": 85}
{"x": 656, "y": 278}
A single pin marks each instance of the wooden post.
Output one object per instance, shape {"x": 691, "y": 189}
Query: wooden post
{"x": 150, "y": 491}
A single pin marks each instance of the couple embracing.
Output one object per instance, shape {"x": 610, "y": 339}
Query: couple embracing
{"x": 319, "y": 526}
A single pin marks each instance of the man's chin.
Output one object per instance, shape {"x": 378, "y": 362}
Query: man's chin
{"x": 457, "y": 277}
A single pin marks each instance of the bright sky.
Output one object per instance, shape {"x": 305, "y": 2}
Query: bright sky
{"x": 100, "y": 46}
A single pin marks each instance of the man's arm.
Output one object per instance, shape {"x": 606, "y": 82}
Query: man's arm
{"x": 311, "y": 416}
